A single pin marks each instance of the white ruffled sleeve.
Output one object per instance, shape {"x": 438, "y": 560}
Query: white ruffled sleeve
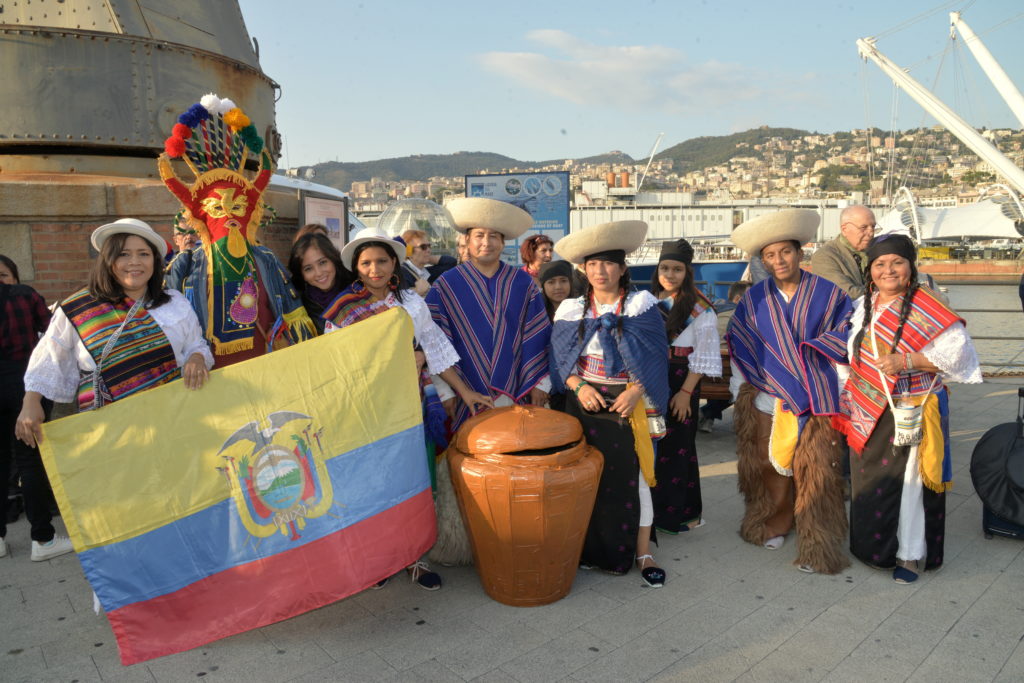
{"x": 707, "y": 351}
{"x": 953, "y": 353}
{"x": 439, "y": 351}
{"x": 53, "y": 367}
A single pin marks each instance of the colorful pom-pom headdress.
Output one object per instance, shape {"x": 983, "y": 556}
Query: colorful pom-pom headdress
{"x": 215, "y": 139}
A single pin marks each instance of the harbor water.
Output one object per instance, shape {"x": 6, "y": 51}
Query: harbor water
{"x": 998, "y": 356}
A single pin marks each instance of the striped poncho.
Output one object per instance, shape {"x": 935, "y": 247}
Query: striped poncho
{"x": 499, "y": 327}
{"x": 766, "y": 337}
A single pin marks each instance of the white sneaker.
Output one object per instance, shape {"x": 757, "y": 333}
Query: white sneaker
{"x": 3, "y": 546}
{"x": 59, "y": 545}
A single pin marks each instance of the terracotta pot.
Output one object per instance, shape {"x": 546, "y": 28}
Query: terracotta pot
{"x": 526, "y": 483}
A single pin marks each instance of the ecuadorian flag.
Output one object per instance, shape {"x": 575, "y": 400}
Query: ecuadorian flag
{"x": 288, "y": 482}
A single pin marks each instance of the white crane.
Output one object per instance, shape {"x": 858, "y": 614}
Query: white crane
{"x": 947, "y": 117}
{"x": 1006, "y": 87}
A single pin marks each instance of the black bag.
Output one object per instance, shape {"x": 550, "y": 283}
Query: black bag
{"x": 997, "y": 471}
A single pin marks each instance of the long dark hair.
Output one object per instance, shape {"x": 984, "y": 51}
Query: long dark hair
{"x": 395, "y": 284}
{"x": 905, "y": 307}
{"x": 11, "y": 266}
{"x": 683, "y": 301}
{"x": 103, "y": 285}
{"x": 588, "y": 295}
{"x": 342, "y": 277}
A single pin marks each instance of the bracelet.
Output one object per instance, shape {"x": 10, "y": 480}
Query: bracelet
{"x": 908, "y": 362}
{"x": 582, "y": 383}
{"x": 684, "y": 391}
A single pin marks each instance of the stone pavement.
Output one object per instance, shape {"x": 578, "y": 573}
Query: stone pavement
{"x": 729, "y": 612}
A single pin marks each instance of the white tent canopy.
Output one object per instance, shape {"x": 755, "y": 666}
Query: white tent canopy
{"x": 984, "y": 220}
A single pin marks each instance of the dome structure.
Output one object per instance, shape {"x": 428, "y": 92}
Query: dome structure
{"x": 421, "y": 214}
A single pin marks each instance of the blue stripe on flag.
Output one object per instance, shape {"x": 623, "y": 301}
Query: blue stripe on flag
{"x": 366, "y": 480}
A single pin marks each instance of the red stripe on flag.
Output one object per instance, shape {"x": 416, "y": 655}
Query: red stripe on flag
{"x": 279, "y": 587}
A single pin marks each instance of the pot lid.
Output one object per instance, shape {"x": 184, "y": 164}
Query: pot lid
{"x": 518, "y": 428}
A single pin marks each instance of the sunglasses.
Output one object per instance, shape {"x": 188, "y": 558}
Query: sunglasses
{"x": 425, "y": 246}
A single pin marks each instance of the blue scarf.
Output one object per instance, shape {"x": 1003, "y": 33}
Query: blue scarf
{"x": 639, "y": 350}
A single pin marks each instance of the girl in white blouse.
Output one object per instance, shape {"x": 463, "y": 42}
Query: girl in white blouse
{"x": 691, "y": 326}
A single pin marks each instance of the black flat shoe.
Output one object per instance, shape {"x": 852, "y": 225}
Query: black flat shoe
{"x": 654, "y": 577}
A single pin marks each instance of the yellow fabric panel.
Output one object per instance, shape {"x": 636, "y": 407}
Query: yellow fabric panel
{"x": 642, "y": 441}
{"x": 932, "y": 448}
{"x": 785, "y": 430}
{"x": 146, "y": 435}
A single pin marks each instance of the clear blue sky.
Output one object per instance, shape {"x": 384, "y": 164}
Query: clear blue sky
{"x": 569, "y": 79}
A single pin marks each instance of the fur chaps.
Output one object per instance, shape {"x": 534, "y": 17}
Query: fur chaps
{"x": 820, "y": 512}
{"x": 452, "y": 548}
{"x": 758, "y": 504}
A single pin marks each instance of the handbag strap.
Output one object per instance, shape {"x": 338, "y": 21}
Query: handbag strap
{"x": 878, "y": 368}
{"x": 107, "y": 348}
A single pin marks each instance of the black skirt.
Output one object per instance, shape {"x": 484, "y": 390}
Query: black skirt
{"x": 677, "y": 500}
{"x": 611, "y": 536}
{"x": 877, "y": 480}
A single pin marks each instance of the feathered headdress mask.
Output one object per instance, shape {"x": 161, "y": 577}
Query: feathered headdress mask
{"x": 215, "y": 138}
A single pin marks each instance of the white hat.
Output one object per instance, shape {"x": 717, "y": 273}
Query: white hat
{"x": 481, "y": 212}
{"x": 624, "y": 236}
{"x": 799, "y": 225}
{"x": 130, "y": 226}
{"x": 370, "y": 235}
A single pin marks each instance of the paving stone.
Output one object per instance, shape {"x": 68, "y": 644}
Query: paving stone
{"x": 729, "y": 611}
{"x": 417, "y": 639}
{"x": 557, "y": 658}
{"x": 571, "y": 612}
{"x": 18, "y": 663}
{"x": 721, "y": 659}
{"x": 81, "y": 670}
{"x": 477, "y": 656}
{"x": 364, "y": 666}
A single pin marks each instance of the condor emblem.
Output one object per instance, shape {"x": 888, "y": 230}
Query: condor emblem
{"x": 277, "y": 487}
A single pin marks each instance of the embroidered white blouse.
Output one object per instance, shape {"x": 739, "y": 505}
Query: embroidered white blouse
{"x": 701, "y": 335}
{"x": 60, "y": 357}
{"x": 439, "y": 352}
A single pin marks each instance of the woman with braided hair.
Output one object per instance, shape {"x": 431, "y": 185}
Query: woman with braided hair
{"x": 608, "y": 355}
{"x": 905, "y": 343}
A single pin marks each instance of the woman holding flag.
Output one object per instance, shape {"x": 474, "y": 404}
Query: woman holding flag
{"x": 374, "y": 258}
{"x": 122, "y": 334}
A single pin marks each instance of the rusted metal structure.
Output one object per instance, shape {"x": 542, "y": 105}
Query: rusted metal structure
{"x": 99, "y": 83}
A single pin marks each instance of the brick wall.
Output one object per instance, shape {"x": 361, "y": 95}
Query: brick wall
{"x": 46, "y": 221}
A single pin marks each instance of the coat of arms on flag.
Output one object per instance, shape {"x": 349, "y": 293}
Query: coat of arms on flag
{"x": 309, "y": 462}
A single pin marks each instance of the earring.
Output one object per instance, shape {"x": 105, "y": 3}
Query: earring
{"x": 394, "y": 282}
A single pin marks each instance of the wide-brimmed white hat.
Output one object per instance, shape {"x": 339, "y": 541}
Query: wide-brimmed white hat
{"x": 481, "y": 212}
{"x": 130, "y": 226}
{"x": 624, "y": 236}
{"x": 799, "y": 225}
{"x": 370, "y": 235}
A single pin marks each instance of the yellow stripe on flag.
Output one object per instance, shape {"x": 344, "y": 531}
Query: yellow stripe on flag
{"x": 143, "y": 437}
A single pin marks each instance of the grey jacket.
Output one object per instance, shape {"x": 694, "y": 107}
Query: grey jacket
{"x": 835, "y": 262}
